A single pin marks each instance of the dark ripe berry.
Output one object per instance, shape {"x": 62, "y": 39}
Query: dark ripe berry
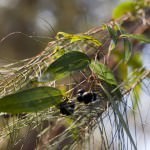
{"x": 81, "y": 91}
{"x": 79, "y": 98}
{"x": 7, "y": 116}
{"x": 87, "y": 97}
{"x": 66, "y": 111}
{"x": 94, "y": 96}
{"x": 67, "y": 108}
{"x": 71, "y": 104}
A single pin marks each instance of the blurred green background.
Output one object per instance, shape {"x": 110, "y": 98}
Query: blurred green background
{"x": 44, "y": 18}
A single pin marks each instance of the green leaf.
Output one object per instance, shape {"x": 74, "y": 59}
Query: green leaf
{"x": 123, "y": 8}
{"x": 137, "y": 37}
{"x": 103, "y": 72}
{"x": 81, "y": 37}
{"x": 127, "y": 50}
{"x": 31, "y": 100}
{"x": 67, "y": 63}
{"x": 113, "y": 33}
{"x": 78, "y": 37}
{"x": 112, "y": 46}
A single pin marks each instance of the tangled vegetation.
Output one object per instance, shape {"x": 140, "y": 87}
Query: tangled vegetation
{"x": 63, "y": 94}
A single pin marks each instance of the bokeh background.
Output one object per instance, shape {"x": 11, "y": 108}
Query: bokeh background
{"x": 42, "y": 19}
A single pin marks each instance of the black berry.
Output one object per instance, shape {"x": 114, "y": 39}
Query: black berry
{"x": 6, "y": 116}
{"x": 67, "y": 108}
{"x": 81, "y": 91}
{"x": 80, "y": 98}
{"x": 71, "y": 104}
{"x": 87, "y": 97}
{"x": 66, "y": 111}
{"x": 94, "y": 96}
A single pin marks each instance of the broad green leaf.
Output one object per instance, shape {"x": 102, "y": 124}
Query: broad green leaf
{"x": 103, "y": 72}
{"x": 139, "y": 37}
{"x": 123, "y": 8}
{"x": 67, "y": 63}
{"x": 31, "y": 100}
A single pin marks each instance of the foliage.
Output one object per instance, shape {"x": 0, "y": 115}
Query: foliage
{"x": 31, "y": 100}
{"x": 129, "y": 6}
{"x": 87, "y": 61}
{"x": 140, "y": 37}
{"x": 123, "y": 8}
{"x": 67, "y": 63}
{"x": 76, "y": 38}
{"x": 103, "y": 72}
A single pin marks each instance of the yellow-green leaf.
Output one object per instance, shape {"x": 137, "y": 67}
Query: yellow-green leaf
{"x": 123, "y": 8}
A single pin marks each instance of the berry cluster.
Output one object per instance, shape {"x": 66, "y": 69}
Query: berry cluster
{"x": 67, "y": 107}
{"x": 86, "y": 97}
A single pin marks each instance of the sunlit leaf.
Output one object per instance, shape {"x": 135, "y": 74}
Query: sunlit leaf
{"x": 62, "y": 35}
{"x": 81, "y": 37}
{"x": 139, "y": 37}
{"x": 123, "y": 8}
{"x": 31, "y": 100}
{"x": 78, "y": 37}
{"x": 111, "y": 46}
{"x": 103, "y": 72}
{"x": 67, "y": 63}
